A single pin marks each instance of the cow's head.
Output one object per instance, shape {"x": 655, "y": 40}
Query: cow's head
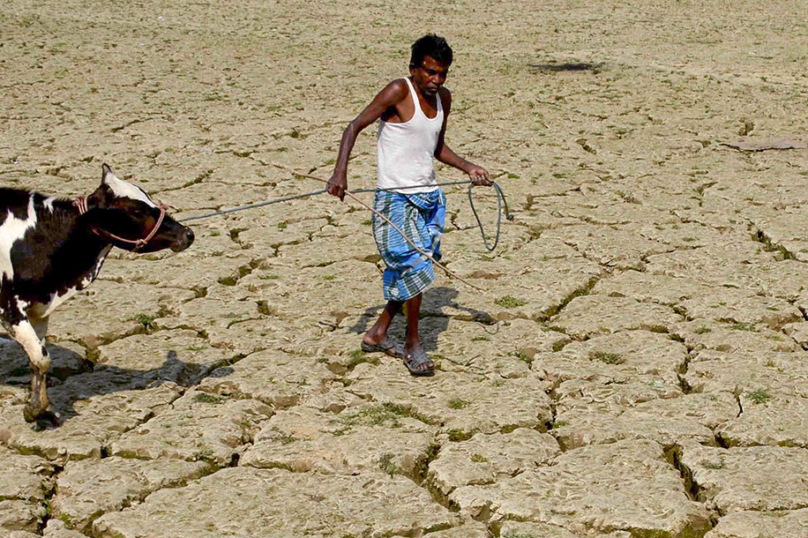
{"x": 129, "y": 219}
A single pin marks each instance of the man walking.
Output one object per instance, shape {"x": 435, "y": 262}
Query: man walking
{"x": 412, "y": 116}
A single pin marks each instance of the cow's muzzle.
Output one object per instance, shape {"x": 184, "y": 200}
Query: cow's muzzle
{"x": 185, "y": 240}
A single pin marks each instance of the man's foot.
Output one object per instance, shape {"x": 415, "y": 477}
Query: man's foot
{"x": 384, "y": 346}
{"x": 418, "y": 363}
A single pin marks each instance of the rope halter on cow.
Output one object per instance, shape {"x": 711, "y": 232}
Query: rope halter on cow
{"x": 81, "y": 204}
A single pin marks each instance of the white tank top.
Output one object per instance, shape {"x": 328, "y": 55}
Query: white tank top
{"x": 405, "y": 151}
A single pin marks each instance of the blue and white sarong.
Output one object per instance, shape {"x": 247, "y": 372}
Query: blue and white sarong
{"x": 421, "y": 217}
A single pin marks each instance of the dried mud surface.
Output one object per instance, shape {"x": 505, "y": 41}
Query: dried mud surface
{"x": 636, "y": 369}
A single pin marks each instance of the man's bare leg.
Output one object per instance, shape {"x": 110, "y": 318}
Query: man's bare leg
{"x": 413, "y": 342}
{"x": 413, "y": 309}
{"x": 378, "y": 332}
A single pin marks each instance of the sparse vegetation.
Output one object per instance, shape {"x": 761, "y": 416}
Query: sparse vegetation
{"x": 510, "y": 301}
{"x": 203, "y": 454}
{"x": 606, "y": 357}
{"x": 759, "y": 396}
{"x": 456, "y": 435}
{"x": 387, "y": 414}
{"x": 522, "y": 356}
{"x": 387, "y": 465}
{"x": 358, "y": 355}
{"x": 204, "y": 397}
{"x": 284, "y": 438}
{"x": 146, "y": 321}
{"x": 458, "y": 404}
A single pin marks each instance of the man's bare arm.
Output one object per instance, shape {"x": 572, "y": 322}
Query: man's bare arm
{"x": 390, "y": 96}
{"x": 443, "y": 153}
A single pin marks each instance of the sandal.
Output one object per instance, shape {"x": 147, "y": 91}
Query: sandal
{"x": 385, "y": 346}
{"x": 415, "y": 360}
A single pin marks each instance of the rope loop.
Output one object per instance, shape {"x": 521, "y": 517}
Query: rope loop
{"x": 508, "y": 215}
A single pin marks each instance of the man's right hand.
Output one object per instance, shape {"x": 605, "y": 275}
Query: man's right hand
{"x": 337, "y": 185}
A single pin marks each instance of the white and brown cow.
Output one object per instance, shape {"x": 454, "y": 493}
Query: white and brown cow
{"x": 50, "y": 249}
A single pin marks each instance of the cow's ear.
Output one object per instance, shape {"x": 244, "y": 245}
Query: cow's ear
{"x": 106, "y": 174}
{"x": 100, "y": 196}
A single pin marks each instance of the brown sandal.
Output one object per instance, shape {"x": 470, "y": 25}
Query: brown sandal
{"x": 385, "y": 346}
{"x": 414, "y": 360}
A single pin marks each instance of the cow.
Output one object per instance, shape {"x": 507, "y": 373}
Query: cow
{"x": 51, "y": 249}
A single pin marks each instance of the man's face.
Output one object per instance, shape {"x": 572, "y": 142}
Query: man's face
{"x": 430, "y": 75}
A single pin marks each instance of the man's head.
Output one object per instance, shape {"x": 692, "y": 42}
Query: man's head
{"x": 429, "y": 63}
{"x": 434, "y": 46}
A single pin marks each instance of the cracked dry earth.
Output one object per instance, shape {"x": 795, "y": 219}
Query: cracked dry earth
{"x": 636, "y": 369}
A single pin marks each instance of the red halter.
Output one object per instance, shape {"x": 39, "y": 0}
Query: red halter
{"x": 81, "y": 205}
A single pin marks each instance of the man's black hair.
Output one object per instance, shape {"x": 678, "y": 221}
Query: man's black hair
{"x": 431, "y": 45}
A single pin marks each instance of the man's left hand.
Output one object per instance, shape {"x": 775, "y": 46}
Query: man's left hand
{"x": 479, "y": 176}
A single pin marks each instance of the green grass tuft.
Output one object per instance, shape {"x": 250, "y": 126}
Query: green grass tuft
{"x": 510, "y": 301}
{"x": 204, "y": 397}
{"x": 456, "y": 435}
{"x": 146, "y": 321}
{"x": 605, "y": 357}
{"x": 458, "y": 404}
{"x": 759, "y": 396}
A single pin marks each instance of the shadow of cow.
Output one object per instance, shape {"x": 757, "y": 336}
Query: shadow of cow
{"x": 73, "y": 378}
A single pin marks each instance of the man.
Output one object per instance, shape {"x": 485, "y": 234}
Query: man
{"x": 412, "y": 116}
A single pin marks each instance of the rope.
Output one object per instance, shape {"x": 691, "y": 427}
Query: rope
{"x": 253, "y": 206}
{"x": 500, "y": 201}
{"x": 350, "y": 194}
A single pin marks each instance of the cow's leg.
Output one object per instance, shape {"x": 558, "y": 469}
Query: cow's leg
{"x": 40, "y": 326}
{"x": 22, "y": 330}
{"x": 25, "y": 334}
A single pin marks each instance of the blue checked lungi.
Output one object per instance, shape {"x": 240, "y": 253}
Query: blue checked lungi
{"x": 421, "y": 217}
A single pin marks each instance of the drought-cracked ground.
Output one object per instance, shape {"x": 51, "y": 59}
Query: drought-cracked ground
{"x": 635, "y": 369}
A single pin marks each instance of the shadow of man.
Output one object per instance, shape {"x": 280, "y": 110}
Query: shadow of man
{"x": 434, "y": 320}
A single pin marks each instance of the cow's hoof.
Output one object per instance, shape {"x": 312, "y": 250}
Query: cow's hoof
{"x": 42, "y": 417}
{"x": 30, "y": 414}
{"x": 48, "y": 420}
